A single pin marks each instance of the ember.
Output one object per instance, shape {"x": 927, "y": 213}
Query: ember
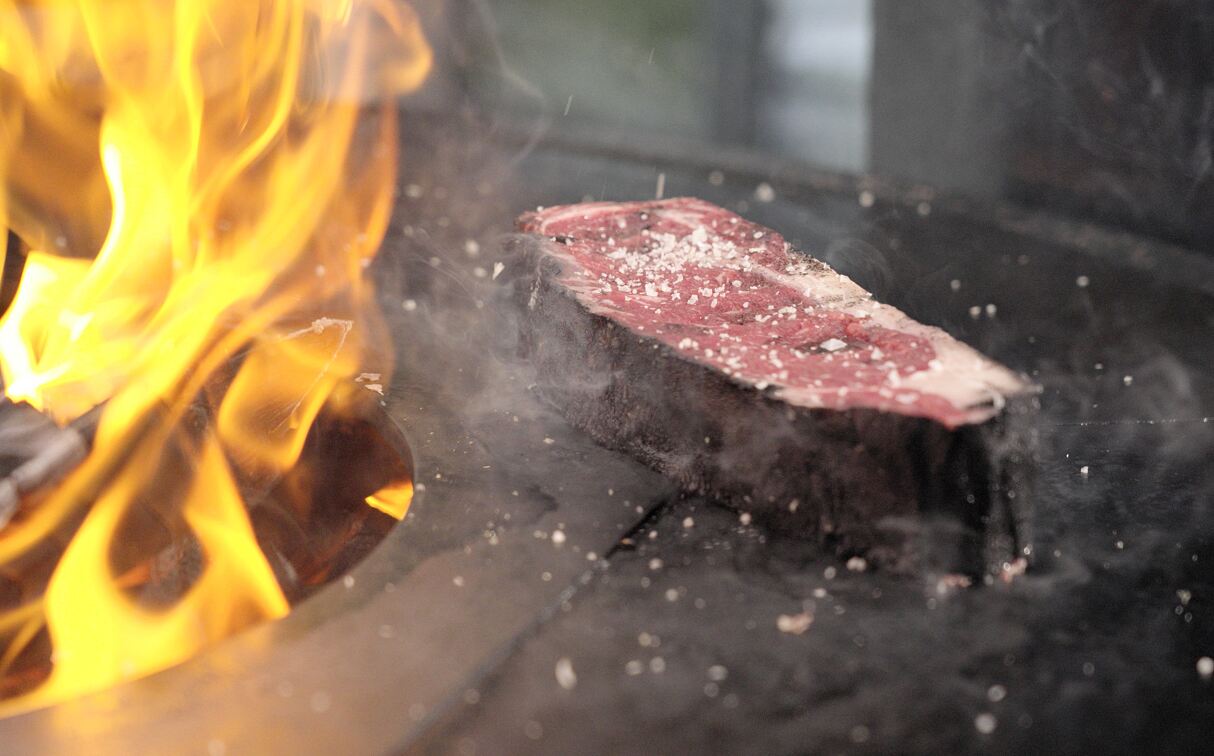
{"x": 196, "y": 216}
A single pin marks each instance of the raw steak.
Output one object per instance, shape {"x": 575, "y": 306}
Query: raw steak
{"x": 704, "y": 345}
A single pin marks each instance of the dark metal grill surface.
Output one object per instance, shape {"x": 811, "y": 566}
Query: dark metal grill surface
{"x": 447, "y": 637}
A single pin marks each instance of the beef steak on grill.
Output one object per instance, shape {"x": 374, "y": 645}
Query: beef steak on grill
{"x": 705, "y": 346}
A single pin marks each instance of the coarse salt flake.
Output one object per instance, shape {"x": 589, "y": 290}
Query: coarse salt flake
{"x": 1205, "y": 667}
{"x": 565, "y": 676}
{"x": 794, "y": 624}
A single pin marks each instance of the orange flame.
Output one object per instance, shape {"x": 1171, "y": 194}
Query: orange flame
{"x": 199, "y": 216}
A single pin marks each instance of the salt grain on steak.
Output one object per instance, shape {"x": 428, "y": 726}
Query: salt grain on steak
{"x": 657, "y": 325}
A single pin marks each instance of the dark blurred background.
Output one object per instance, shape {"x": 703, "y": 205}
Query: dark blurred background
{"x": 1098, "y": 109}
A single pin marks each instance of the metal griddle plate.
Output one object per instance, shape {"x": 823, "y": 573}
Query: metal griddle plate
{"x": 446, "y": 640}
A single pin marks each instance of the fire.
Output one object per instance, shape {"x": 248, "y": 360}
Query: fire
{"x": 200, "y": 185}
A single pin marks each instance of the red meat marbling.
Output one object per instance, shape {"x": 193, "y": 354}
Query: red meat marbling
{"x": 734, "y": 296}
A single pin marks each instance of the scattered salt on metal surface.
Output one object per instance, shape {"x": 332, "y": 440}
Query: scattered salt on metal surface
{"x": 565, "y": 676}
{"x": 1082, "y": 282}
{"x": 867, "y": 198}
{"x": 924, "y": 209}
{"x": 975, "y": 312}
{"x": 1128, "y": 380}
{"x": 657, "y": 665}
{"x": 764, "y": 192}
{"x": 549, "y": 441}
{"x": 717, "y": 673}
{"x": 1084, "y": 471}
{"x": 688, "y": 523}
{"x": 955, "y": 285}
{"x": 348, "y": 581}
{"x": 857, "y": 564}
{"x": 744, "y": 518}
{"x": 996, "y": 693}
{"x": 472, "y": 247}
{"x": 716, "y": 178}
{"x": 634, "y": 667}
{"x": 497, "y": 270}
{"x": 558, "y": 537}
{"x": 655, "y": 564}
